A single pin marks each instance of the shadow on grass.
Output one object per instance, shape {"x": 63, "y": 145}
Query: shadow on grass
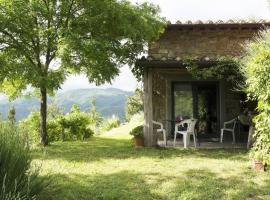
{"x": 192, "y": 184}
{"x": 122, "y": 185}
{"x": 204, "y": 184}
{"x": 102, "y": 148}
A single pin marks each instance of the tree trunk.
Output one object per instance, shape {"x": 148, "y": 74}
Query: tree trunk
{"x": 43, "y": 117}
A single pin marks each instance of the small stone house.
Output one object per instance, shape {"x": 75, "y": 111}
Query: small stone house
{"x": 172, "y": 92}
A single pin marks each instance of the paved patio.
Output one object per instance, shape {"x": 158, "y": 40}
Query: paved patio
{"x": 204, "y": 144}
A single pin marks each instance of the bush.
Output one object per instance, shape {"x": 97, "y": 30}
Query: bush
{"x": 137, "y": 132}
{"x": 17, "y": 179}
{"x": 256, "y": 69}
{"x": 76, "y": 124}
{"x": 110, "y": 123}
{"x": 55, "y": 130}
{"x": 72, "y": 126}
{"x": 31, "y": 125}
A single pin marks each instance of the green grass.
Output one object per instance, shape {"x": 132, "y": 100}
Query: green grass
{"x": 109, "y": 167}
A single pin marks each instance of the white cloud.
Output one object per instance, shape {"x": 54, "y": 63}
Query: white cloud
{"x": 125, "y": 81}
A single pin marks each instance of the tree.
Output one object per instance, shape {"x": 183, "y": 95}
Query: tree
{"x": 12, "y": 115}
{"x": 134, "y": 104}
{"x": 256, "y": 69}
{"x": 95, "y": 116}
{"x": 54, "y": 111}
{"x": 43, "y": 41}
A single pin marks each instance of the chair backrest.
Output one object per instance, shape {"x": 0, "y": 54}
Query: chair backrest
{"x": 231, "y": 122}
{"x": 234, "y": 123}
{"x": 191, "y": 125}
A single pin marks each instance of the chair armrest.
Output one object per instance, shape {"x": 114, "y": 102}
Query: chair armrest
{"x": 158, "y": 124}
{"x": 182, "y": 123}
{"x": 229, "y": 122}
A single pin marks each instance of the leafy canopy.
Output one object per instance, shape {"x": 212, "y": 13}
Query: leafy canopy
{"x": 43, "y": 41}
{"x": 256, "y": 68}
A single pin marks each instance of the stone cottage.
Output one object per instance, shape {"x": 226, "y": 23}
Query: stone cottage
{"x": 172, "y": 92}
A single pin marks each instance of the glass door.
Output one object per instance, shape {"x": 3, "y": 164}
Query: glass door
{"x": 183, "y": 102}
{"x": 206, "y": 110}
{"x": 197, "y": 100}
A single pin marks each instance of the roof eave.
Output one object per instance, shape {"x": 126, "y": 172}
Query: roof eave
{"x": 173, "y": 63}
{"x": 218, "y": 26}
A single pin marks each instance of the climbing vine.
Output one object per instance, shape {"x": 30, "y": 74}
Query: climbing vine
{"x": 226, "y": 68}
{"x": 223, "y": 68}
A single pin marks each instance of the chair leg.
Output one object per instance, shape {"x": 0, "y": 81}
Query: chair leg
{"x": 194, "y": 140}
{"x": 185, "y": 140}
{"x": 233, "y": 137}
{"x": 174, "y": 139}
{"x": 164, "y": 138}
{"x": 221, "y": 135}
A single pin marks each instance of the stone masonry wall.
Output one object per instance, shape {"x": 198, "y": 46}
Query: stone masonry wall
{"x": 200, "y": 43}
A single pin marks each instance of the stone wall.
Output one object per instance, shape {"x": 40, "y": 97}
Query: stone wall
{"x": 200, "y": 43}
{"x": 232, "y": 102}
{"x": 159, "y": 96}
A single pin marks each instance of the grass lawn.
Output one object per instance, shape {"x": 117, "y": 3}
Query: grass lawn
{"x": 108, "y": 167}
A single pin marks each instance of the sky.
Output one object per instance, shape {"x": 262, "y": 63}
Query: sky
{"x": 184, "y": 10}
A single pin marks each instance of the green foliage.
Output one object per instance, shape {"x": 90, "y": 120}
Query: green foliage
{"x": 42, "y": 42}
{"x": 137, "y": 132}
{"x": 110, "y": 123}
{"x": 134, "y": 104}
{"x": 54, "y": 111}
{"x": 84, "y": 41}
{"x": 31, "y": 125}
{"x": 226, "y": 68}
{"x": 12, "y": 115}
{"x": 95, "y": 116}
{"x": 256, "y": 68}
{"x": 55, "y": 130}
{"x": 17, "y": 179}
{"x": 76, "y": 124}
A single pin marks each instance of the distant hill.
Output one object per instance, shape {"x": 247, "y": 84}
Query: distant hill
{"x": 110, "y": 101}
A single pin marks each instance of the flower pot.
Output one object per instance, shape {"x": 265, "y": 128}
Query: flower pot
{"x": 258, "y": 165}
{"x": 139, "y": 142}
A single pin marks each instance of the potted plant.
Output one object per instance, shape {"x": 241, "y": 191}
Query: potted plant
{"x": 137, "y": 134}
{"x": 258, "y": 161}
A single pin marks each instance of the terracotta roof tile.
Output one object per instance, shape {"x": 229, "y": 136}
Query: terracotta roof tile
{"x": 230, "y": 21}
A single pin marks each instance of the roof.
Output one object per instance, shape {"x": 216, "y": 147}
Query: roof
{"x": 178, "y": 61}
{"x": 174, "y": 62}
{"x": 254, "y": 24}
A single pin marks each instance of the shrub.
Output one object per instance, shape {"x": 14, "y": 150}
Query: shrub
{"x": 55, "y": 130}
{"x": 32, "y": 126}
{"x": 110, "y": 123}
{"x": 137, "y": 132}
{"x": 17, "y": 179}
{"x": 72, "y": 126}
{"x": 76, "y": 124}
{"x": 256, "y": 69}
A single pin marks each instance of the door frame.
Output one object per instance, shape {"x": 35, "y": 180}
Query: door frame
{"x": 195, "y": 84}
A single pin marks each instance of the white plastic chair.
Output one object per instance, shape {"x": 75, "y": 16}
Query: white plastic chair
{"x": 161, "y": 130}
{"x": 227, "y": 129}
{"x": 191, "y": 123}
